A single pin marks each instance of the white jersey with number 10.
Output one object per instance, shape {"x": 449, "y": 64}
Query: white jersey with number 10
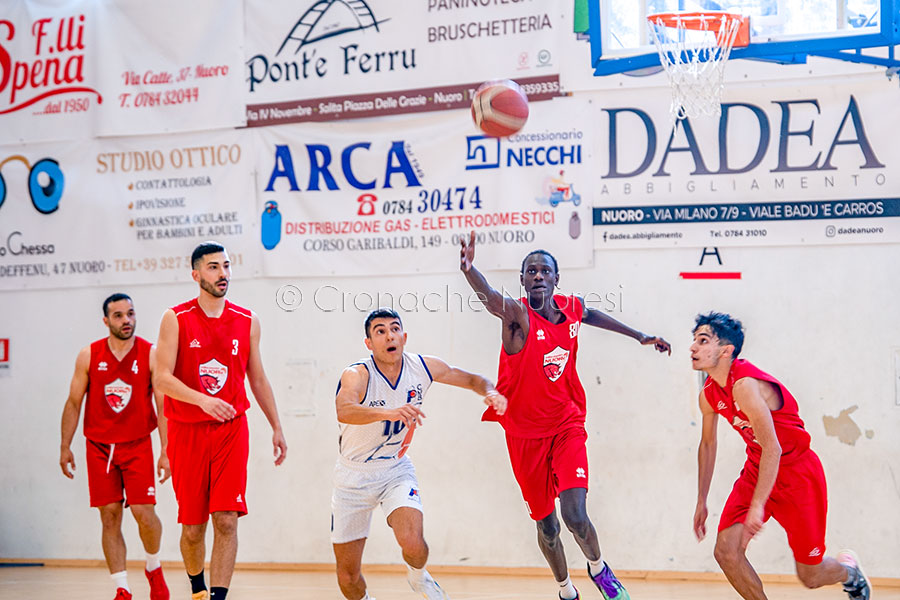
{"x": 385, "y": 442}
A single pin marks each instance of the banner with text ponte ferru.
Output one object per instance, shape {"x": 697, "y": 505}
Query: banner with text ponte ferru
{"x": 361, "y": 198}
{"x": 78, "y": 69}
{"x": 780, "y": 166}
{"x": 322, "y": 60}
{"x": 123, "y": 211}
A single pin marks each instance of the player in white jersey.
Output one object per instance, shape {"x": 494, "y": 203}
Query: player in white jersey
{"x": 378, "y": 407}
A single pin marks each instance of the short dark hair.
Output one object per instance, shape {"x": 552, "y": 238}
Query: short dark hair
{"x": 540, "y": 251}
{"x": 204, "y": 249}
{"x": 115, "y": 298}
{"x": 381, "y": 313}
{"x": 728, "y": 329}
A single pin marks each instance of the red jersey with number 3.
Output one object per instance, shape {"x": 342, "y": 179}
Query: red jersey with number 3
{"x": 119, "y": 406}
{"x": 212, "y": 358}
{"x": 540, "y": 381}
{"x": 792, "y": 436}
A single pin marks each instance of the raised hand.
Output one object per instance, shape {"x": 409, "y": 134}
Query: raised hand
{"x": 467, "y": 253}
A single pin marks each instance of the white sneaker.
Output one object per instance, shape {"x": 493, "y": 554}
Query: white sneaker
{"x": 428, "y": 587}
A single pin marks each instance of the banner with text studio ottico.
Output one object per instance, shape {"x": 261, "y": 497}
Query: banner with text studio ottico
{"x": 129, "y": 210}
{"x": 397, "y": 196}
{"x": 321, "y": 60}
{"x": 78, "y": 69}
{"x": 780, "y": 166}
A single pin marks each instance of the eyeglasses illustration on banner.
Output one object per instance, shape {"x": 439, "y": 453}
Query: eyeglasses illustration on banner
{"x": 45, "y": 183}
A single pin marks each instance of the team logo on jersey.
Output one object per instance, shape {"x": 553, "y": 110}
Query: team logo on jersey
{"x": 815, "y": 552}
{"x": 414, "y": 395}
{"x": 555, "y": 363}
{"x": 540, "y": 335}
{"x": 721, "y": 405}
{"x": 213, "y": 376}
{"x": 195, "y": 343}
{"x": 579, "y": 472}
{"x": 414, "y": 495}
{"x": 118, "y": 395}
{"x": 101, "y": 366}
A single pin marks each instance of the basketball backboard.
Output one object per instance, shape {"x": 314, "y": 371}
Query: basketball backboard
{"x": 782, "y": 31}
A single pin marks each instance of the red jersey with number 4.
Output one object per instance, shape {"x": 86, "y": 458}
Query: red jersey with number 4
{"x": 212, "y": 358}
{"x": 540, "y": 381}
{"x": 119, "y": 406}
{"x": 792, "y": 436}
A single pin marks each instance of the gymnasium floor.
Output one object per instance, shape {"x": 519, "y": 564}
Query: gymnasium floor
{"x": 89, "y": 583}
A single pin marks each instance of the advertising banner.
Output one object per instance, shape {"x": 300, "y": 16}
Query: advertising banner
{"x": 780, "y": 166}
{"x": 322, "y": 60}
{"x": 129, "y": 210}
{"x": 75, "y": 70}
{"x": 355, "y": 199}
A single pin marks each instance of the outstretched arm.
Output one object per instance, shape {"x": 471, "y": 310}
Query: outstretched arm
{"x": 597, "y": 318}
{"x": 748, "y": 395}
{"x": 444, "y": 373}
{"x": 496, "y": 303}
{"x": 262, "y": 391}
{"x": 706, "y": 464}
{"x": 165, "y": 381}
{"x": 352, "y": 411}
{"x": 72, "y": 411}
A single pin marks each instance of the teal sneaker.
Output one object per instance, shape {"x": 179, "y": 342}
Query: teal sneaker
{"x": 609, "y": 586}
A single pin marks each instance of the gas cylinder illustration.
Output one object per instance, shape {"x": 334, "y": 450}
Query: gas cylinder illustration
{"x": 270, "y": 225}
{"x": 574, "y": 225}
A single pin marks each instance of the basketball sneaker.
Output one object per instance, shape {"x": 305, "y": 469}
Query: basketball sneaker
{"x": 158, "y": 588}
{"x": 428, "y": 587}
{"x": 203, "y": 595}
{"x": 858, "y": 587}
{"x": 577, "y": 596}
{"x": 608, "y": 585}
{"x": 122, "y": 594}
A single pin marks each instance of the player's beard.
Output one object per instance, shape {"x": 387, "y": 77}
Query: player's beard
{"x": 117, "y": 332}
{"x": 212, "y": 290}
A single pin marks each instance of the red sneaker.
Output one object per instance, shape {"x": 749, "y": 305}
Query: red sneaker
{"x": 158, "y": 588}
{"x": 122, "y": 594}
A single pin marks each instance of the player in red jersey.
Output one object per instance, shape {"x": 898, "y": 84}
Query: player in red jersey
{"x": 206, "y": 347}
{"x": 119, "y": 416}
{"x": 782, "y": 477}
{"x": 544, "y": 421}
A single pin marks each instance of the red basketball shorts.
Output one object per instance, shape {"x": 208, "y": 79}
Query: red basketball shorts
{"x": 799, "y": 502}
{"x": 209, "y": 468}
{"x": 546, "y": 466}
{"x": 121, "y": 471}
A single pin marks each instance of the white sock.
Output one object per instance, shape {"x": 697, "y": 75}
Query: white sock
{"x": 153, "y": 561}
{"x": 121, "y": 580}
{"x": 596, "y": 566}
{"x": 417, "y": 575}
{"x": 567, "y": 591}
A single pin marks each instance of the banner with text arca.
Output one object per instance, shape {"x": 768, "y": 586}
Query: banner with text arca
{"x": 82, "y": 69}
{"x": 779, "y": 167}
{"x": 361, "y": 198}
{"x": 123, "y": 211}
{"x": 309, "y": 60}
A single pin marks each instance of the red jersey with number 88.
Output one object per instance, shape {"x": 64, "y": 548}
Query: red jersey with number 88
{"x": 540, "y": 381}
{"x": 212, "y": 358}
{"x": 119, "y": 406}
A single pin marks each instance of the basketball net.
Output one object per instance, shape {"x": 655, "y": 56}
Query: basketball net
{"x": 693, "y": 49}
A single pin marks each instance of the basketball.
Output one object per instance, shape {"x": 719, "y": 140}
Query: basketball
{"x": 500, "y": 108}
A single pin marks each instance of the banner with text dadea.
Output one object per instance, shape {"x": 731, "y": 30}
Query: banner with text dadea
{"x": 778, "y": 167}
{"x": 129, "y": 210}
{"x": 316, "y": 60}
{"x": 365, "y": 197}
{"x": 82, "y": 69}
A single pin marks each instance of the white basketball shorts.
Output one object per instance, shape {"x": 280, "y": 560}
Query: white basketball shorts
{"x": 360, "y": 488}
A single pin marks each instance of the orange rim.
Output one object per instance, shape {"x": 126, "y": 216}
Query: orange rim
{"x": 705, "y": 21}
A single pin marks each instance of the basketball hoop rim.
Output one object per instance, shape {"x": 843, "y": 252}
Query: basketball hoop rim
{"x": 710, "y": 20}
